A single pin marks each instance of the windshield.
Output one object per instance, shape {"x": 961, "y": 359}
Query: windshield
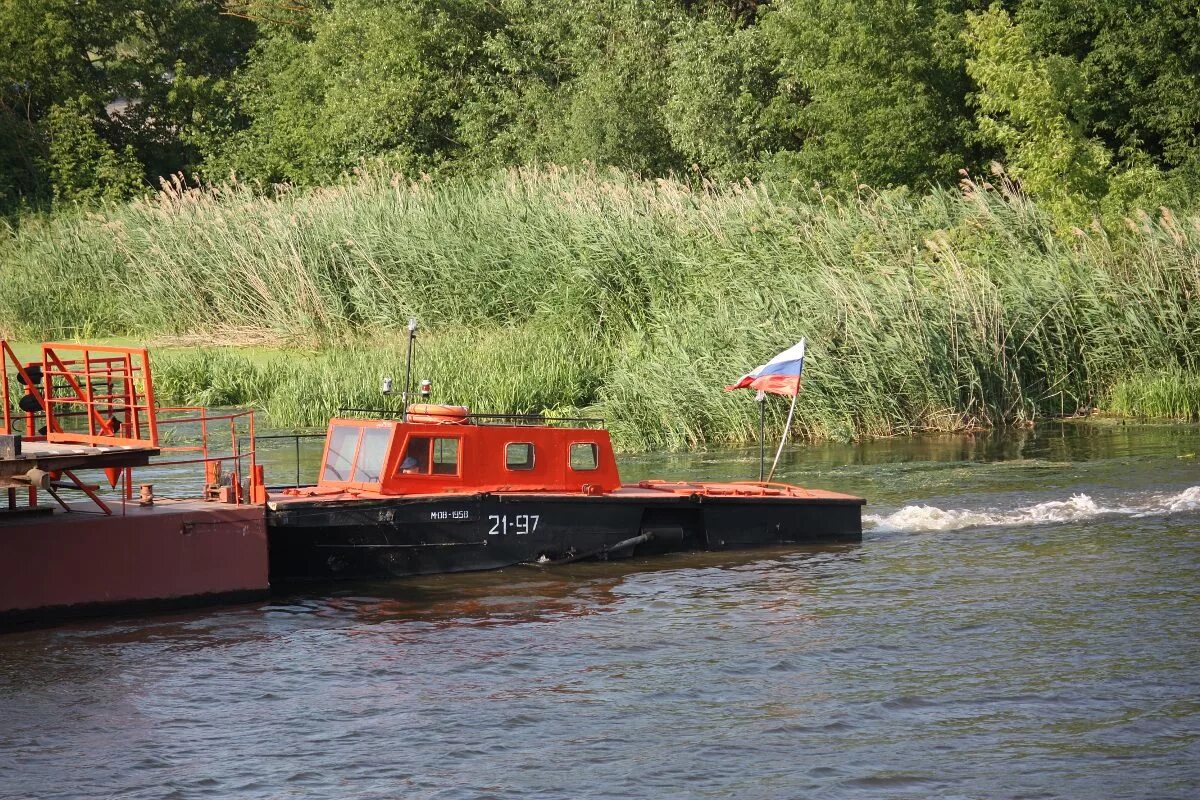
{"x": 356, "y": 454}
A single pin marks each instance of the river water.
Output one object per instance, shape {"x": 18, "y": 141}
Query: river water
{"x": 1020, "y": 621}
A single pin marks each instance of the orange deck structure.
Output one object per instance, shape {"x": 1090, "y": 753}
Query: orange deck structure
{"x": 364, "y": 457}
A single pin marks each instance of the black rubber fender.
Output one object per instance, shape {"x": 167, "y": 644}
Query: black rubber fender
{"x": 34, "y": 371}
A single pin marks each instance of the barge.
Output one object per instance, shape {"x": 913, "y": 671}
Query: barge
{"x": 78, "y": 535}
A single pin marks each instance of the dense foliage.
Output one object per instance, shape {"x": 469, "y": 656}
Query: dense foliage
{"x": 1092, "y": 105}
{"x": 99, "y": 97}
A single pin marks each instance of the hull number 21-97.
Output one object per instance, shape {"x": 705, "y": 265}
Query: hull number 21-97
{"x": 517, "y": 524}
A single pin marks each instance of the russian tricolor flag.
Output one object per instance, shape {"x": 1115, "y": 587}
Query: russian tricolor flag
{"x": 780, "y": 375}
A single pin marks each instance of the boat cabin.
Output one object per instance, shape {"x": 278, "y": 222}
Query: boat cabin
{"x": 460, "y": 454}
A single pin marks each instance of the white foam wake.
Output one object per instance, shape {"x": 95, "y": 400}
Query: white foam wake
{"x": 1078, "y": 507}
{"x": 1187, "y": 500}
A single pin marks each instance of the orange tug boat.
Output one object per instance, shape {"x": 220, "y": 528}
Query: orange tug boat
{"x": 438, "y": 490}
{"x": 443, "y": 490}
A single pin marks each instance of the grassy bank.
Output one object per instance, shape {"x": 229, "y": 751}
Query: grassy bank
{"x": 634, "y": 299}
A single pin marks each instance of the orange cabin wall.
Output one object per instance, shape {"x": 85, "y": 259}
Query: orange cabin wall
{"x": 481, "y": 460}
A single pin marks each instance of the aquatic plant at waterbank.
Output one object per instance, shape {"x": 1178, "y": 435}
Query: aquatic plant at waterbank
{"x": 1171, "y": 393}
{"x": 637, "y": 299}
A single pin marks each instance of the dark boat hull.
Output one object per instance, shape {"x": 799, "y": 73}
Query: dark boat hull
{"x": 322, "y": 539}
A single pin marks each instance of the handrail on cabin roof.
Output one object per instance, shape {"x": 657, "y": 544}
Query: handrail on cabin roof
{"x": 486, "y": 419}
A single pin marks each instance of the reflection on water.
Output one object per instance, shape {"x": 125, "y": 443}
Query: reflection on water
{"x": 995, "y": 635}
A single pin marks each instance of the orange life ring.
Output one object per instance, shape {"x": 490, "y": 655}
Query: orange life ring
{"x": 438, "y": 415}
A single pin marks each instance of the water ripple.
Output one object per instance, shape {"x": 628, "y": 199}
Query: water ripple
{"x": 1051, "y": 653}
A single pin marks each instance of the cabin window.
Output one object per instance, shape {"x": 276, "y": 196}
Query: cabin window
{"x": 342, "y": 441}
{"x": 416, "y": 456}
{"x": 445, "y": 456}
{"x": 518, "y": 455}
{"x": 584, "y": 456}
{"x": 371, "y": 454}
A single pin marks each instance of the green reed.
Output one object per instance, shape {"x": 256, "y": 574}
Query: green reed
{"x": 1165, "y": 394}
{"x": 634, "y": 299}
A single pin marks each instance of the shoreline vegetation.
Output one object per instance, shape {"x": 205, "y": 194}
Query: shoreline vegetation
{"x": 592, "y": 291}
{"x": 716, "y": 208}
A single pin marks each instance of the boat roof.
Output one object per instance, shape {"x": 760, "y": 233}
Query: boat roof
{"x": 377, "y": 458}
{"x": 399, "y": 457}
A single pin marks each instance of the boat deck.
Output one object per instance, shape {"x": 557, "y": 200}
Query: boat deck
{"x": 646, "y": 490}
{"x": 731, "y": 489}
{"x": 52, "y": 515}
{"x": 52, "y": 457}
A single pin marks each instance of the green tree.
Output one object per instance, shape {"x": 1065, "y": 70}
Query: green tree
{"x": 721, "y": 83}
{"x": 364, "y": 79}
{"x": 152, "y": 72}
{"x": 571, "y": 82}
{"x": 83, "y": 168}
{"x": 41, "y": 63}
{"x": 1138, "y": 67}
{"x": 614, "y": 107}
{"x": 1025, "y": 103}
{"x": 873, "y": 91}
{"x": 22, "y": 151}
{"x": 1091, "y": 104}
{"x": 172, "y": 65}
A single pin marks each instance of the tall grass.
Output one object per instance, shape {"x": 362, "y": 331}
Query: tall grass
{"x": 516, "y": 369}
{"x": 635, "y": 299}
{"x": 1165, "y": 394}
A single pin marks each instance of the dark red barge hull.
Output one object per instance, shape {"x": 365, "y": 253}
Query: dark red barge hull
{"x": 174, "y": 553}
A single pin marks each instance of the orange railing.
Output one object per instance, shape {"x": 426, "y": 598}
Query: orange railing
{"x": 100, "y": 383}
{"x": 32, "y": 390}
{"x": 103, "y": 396}
{"x": 237, "y": 457}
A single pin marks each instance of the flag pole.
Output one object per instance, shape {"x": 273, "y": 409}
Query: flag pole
{"x": 787, "y": 426}
{"x": 773, "y": 377}
{"x": 762, "y": 433}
